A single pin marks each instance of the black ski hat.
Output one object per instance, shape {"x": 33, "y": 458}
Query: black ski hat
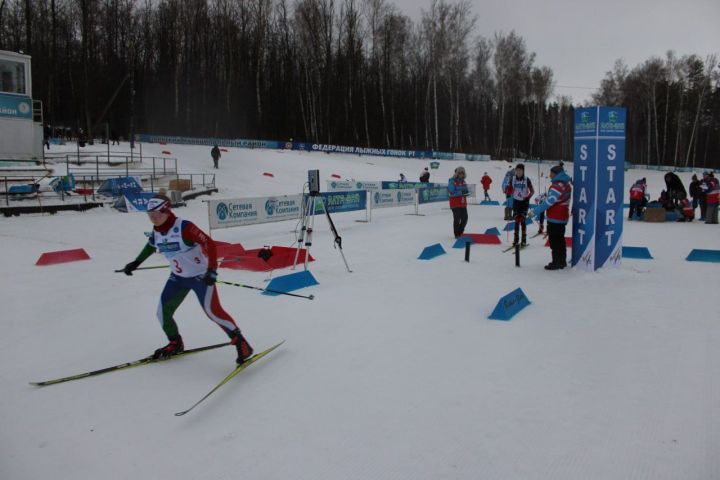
{"x": 556, "y": 169}
{"x": 520, "y": 165}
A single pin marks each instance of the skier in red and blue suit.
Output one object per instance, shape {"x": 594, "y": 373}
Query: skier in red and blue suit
{"x": 557, "y": 208}
{"x": 193, "y": 262}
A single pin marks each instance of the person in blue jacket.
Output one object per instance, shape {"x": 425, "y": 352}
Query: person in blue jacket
{"x": 457, "y": 195}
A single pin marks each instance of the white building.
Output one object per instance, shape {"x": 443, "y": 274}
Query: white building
{"x": 21, "y": 128}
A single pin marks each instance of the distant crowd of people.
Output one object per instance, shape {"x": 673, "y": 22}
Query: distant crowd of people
{"x": 704, "y": 193}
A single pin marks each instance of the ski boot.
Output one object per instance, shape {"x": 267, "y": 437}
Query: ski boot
{"x": 523, "y": 242}
{"x": 244, "y": 349}
{"x": 173, "y": 348}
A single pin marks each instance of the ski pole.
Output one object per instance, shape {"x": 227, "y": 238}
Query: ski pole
{"x": 309, "y": 297}
{"x": 143, "y": 268}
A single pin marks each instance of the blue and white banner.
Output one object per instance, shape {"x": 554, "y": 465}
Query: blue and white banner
{"x": 432, "y": 194}
{"x": 250, "y": 211}
{"x": 584, "y": 205}
{"x": 392, "y": 198}
{"x": 610, "y": 187}
{"x": 337, "y": 202}
{"x": 345, "y": 185}
{"x": 222, "y": 142}
{"x": 381, "y": 152}
{"x": 598, "y": 179}
{"x": 137, "y": 202}
{"x": 15, "y": 106}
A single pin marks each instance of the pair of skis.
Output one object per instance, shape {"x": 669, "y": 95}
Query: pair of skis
{"x": 148, "y": 360}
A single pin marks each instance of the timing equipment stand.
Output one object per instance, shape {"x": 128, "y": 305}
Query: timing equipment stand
{"x": 307, "y": 223}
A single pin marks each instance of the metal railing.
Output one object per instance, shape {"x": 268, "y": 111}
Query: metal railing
{"x": 87, "y": 185}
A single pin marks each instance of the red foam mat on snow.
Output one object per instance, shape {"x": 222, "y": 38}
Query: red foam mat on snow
{"x": 226, "y": 250}
{"x": 568, "y": 242}
{"x": 282, "y": 257}
{"x": 62, "y": 256}
{"x": 484, "y": 238}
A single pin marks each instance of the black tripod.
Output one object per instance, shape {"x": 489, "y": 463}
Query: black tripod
{"x": 308, "y": 224}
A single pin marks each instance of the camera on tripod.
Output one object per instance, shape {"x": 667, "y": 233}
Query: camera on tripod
{"x": 314, "y": 182}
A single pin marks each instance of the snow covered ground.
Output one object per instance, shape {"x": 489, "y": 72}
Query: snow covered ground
{"x": 392, "y": 372}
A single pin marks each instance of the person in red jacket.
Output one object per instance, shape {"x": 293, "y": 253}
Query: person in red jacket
{"x": 557, "y": 208}
{"x": 486, "y": 181}
{"x": 193, "y": 266}
{"x": 712, "y": 197}
{"x": 457, "y": 195}
{"x": 686, "y": 213}
{"x": 637, "y": 198}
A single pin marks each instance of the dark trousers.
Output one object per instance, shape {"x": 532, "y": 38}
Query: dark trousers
{"x": 636, "y": 206}
{"x": 703, "y": 207}
{"x": 520, "y": 209}
{"x": 487, "y": 197}
{"x": 460, "y": 219}
{"x": 556, "y": 234}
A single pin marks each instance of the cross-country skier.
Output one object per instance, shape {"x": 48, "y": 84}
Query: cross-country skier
{"x": 522, "y": 191}
{"x": 557, "y": 205}
{"x": 193, "y": 264}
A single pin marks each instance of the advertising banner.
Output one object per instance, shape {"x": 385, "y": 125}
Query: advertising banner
{"x": 382, "y": 152}
{"x": 610, "y": 187}
{"x": 598, "y": 179}
{"x": 338, "y": 202}
{"x": 344, "y": 185}
{"x": 392, "y": 198}
{"x": 15, "y": 106}
{"x": 250, "y": 211}
{"x": 584, "y": 203}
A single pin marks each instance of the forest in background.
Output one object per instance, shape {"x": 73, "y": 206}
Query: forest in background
{"x": 352, "y": 72}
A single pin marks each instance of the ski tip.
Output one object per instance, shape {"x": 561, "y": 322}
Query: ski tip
{"x": 311, "y": 297}
{"x": 180, "y": 414}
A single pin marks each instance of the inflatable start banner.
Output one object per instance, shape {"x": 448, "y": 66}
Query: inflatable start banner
{"x": 598, "y": 179}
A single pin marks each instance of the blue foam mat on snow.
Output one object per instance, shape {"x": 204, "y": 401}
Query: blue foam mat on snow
{"x": 710, "y": 256}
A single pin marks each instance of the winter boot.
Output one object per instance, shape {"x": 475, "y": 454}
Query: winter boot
{"x": 244, "y": 349}
{"x": 173, "y": 348}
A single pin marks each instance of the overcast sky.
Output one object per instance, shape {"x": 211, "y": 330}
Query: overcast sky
{"x": 580, "y": 40}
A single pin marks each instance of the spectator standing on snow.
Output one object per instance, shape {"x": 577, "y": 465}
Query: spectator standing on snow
{"x": 703, "y": 186}
{"x": 557, "y": 205}
{"x": 402, "y": 178}
{"x": 425, "y": 175}
{"x": 522, "y": 191}
{"x": 675, "y": 188}
{"x": 486, "y": 181}
{"x": 713, "y": 198}
{"x": 638, "y": 201}
{"x": 539, "y": 199}
{"x": 507, "y": 190}
{"x": 193, "y": 263}
{"x": 695, "y": 192}
{"x": 215, "y": 154}
{"x": 457, "y": 195}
